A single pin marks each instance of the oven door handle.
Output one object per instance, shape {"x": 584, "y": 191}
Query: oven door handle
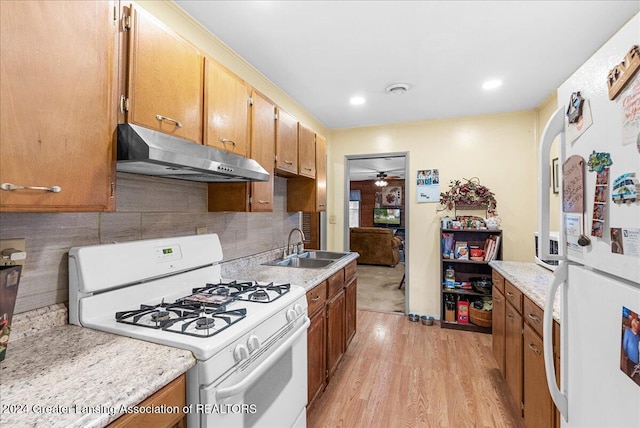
{"x": 230, "y": 391}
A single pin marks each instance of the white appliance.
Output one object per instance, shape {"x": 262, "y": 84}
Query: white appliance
{"x": 598, "y": 287}
{"x": 249, "y": 339}
{"x": 554, "y": 239}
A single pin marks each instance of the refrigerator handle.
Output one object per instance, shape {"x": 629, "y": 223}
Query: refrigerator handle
{"x": 554, "y": 127}
{"x": 560, "y": 399}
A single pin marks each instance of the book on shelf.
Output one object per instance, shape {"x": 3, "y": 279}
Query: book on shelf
{"x": 491, "y": 247}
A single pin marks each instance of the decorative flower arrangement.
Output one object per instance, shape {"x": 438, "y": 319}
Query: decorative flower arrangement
{"x": 470, "y": 194}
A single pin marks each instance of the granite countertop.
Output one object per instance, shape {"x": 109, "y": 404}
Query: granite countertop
{"x": 60, "y": 375}
{"x": 250, "y": 268}
{"x": 533, "y": 280}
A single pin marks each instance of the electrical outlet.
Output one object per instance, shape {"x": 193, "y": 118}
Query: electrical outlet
{"x": 201, "y": 230}
{"x": 332, "y": 219}
{"x": 18, "y": 244}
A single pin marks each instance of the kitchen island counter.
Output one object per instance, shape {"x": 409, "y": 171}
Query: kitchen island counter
{"x": 530, "y": 278}
{"x": 61, "y": 375}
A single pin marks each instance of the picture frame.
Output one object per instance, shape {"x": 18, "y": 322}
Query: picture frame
{"x": 555, "y": 171}
{"x": 391, "y": 197}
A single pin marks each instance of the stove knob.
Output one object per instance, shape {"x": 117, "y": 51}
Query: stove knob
{"x": 253, "y": 343}
{"x": 240, "y": 352}
{"x": 299, "y": 309}
{"x": 291, "y": 315}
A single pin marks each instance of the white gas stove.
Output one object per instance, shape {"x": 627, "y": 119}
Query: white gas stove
{"x": 249, "y": 338}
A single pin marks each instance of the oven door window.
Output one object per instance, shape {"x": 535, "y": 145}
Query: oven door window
{"x": 270, "y": 391}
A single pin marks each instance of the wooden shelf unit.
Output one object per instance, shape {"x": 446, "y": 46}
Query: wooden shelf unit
{"x": 465, "y": 270}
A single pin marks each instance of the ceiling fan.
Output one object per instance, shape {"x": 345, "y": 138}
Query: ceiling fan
{"x": 381, "y": 182}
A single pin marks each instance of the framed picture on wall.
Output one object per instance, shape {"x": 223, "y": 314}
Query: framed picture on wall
{"x": 555, "y": 175}
{"x": 391, "y": 196}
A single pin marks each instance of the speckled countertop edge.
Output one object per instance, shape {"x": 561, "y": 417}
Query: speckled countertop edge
{"x": 531, "y": 279}
{"x": 84, "y": 375}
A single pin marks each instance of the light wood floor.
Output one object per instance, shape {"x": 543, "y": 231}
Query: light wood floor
{"x": 398, "y": 373}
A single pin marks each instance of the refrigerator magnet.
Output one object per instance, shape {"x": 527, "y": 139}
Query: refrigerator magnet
{"x": 630, "y": 345}
{"x": 625, "y": 189}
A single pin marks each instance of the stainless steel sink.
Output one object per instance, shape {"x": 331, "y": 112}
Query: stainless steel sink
{"x": 297, "y": 262}
{"x": 328, "y": 255}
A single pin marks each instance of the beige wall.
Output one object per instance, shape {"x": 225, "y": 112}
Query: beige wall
{"x": 498, "y": 149}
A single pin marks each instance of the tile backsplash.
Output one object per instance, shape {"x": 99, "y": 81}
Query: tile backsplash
{"x": 146, "y": 208}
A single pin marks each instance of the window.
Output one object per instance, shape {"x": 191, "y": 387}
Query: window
{"x": 354, "y": 208}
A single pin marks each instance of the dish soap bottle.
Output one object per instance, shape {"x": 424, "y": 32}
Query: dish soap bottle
{"x": 450, "y": 277}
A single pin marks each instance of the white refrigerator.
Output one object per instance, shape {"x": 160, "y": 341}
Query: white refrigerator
{"x": 598, "y": 279}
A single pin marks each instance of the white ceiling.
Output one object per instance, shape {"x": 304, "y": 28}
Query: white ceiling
{"x": 321, "y": 53}
{"x": 368, "y": 169}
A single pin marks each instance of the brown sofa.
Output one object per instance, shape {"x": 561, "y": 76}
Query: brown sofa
{"x": 376, "y": 245}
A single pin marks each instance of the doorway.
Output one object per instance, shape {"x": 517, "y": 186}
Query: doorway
{"x": 376, "y": 196}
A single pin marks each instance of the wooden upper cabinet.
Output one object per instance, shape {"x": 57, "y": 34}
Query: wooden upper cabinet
{"x": 236, "y": 196}
{"x": 226, "y": 109}
{"x": 286, "y": 144}
{"x": 165, "y": 79}
{"x": 263, "y": 146}
{"x": 306, "y": 152}
{"x": 321, "y": 173}
{"x": 58, "y": 98}
{"x": 307, "y": 195}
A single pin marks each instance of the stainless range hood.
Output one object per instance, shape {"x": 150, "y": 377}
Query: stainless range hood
{"x": 148, "y": 152}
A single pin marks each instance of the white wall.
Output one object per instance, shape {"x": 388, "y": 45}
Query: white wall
{"x": 501, "y": 150}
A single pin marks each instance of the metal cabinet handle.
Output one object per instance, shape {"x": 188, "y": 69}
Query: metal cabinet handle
{"x": 260, "y": 201}
{"x": 288, "y": 162}
{"x": 168, "y": 119}
{"x": 510, "y": 294}
{"x": 497, "y": 300}
{"x": 532, "y": 317}
{"x": 315, "y": 299}
{"x": 534, "y": 349}
{"x": 226, "y": 140}
{"x": 510, "y": 317}
{"x": 10, "y": 186}
{"x": 307, "y": 169}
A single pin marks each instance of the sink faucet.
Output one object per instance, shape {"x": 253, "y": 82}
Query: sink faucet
{"x": 299, "y": 246}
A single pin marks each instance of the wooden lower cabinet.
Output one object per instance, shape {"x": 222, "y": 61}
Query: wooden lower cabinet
{"x": 335, "y": 332}
{"x": 173, "y": 394}
{"x": 498, "y": 328}
{"x": 513, "y": 352}
{"x": 538, "y": 406}
{"x": 350, "y": 297}
{"x": 332, "y": 311}
{"x": 316, "y": 355}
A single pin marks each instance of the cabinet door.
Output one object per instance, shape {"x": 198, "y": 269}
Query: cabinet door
{"x": 321, "y": 173}
{"x": 165, "y": 79}
{"x": 498, "y": 328}
{"x": 513, "y": 352}
{"x": 306, "y": 151}
{"x": 538, "y": 405}
{"x": 226, "y": 109}
{"x": 350, "y": 293}
{"x": 58, "y": 92}
{"x": 286, "y": 144}
{"x": 316, "y": 357}
{"x": 335, "y": 332}
{"x": 263, "y": 146}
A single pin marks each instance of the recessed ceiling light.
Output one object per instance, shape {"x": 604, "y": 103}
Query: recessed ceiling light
{"x": 356, "y": 101}
{"x": 491, "y": 84}
{"x": 397, "y": 88}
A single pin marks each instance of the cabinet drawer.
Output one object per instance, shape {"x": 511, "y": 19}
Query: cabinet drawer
{"x": 498, "y": 281}
{"x": 513, "y": 295}
{"x": 335, "y": 283}
{"x": 172, "y": 395}
{"x": 350, "y": 271}
{"x": 533, "y": 315}
{"x": 316, "y": 297}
